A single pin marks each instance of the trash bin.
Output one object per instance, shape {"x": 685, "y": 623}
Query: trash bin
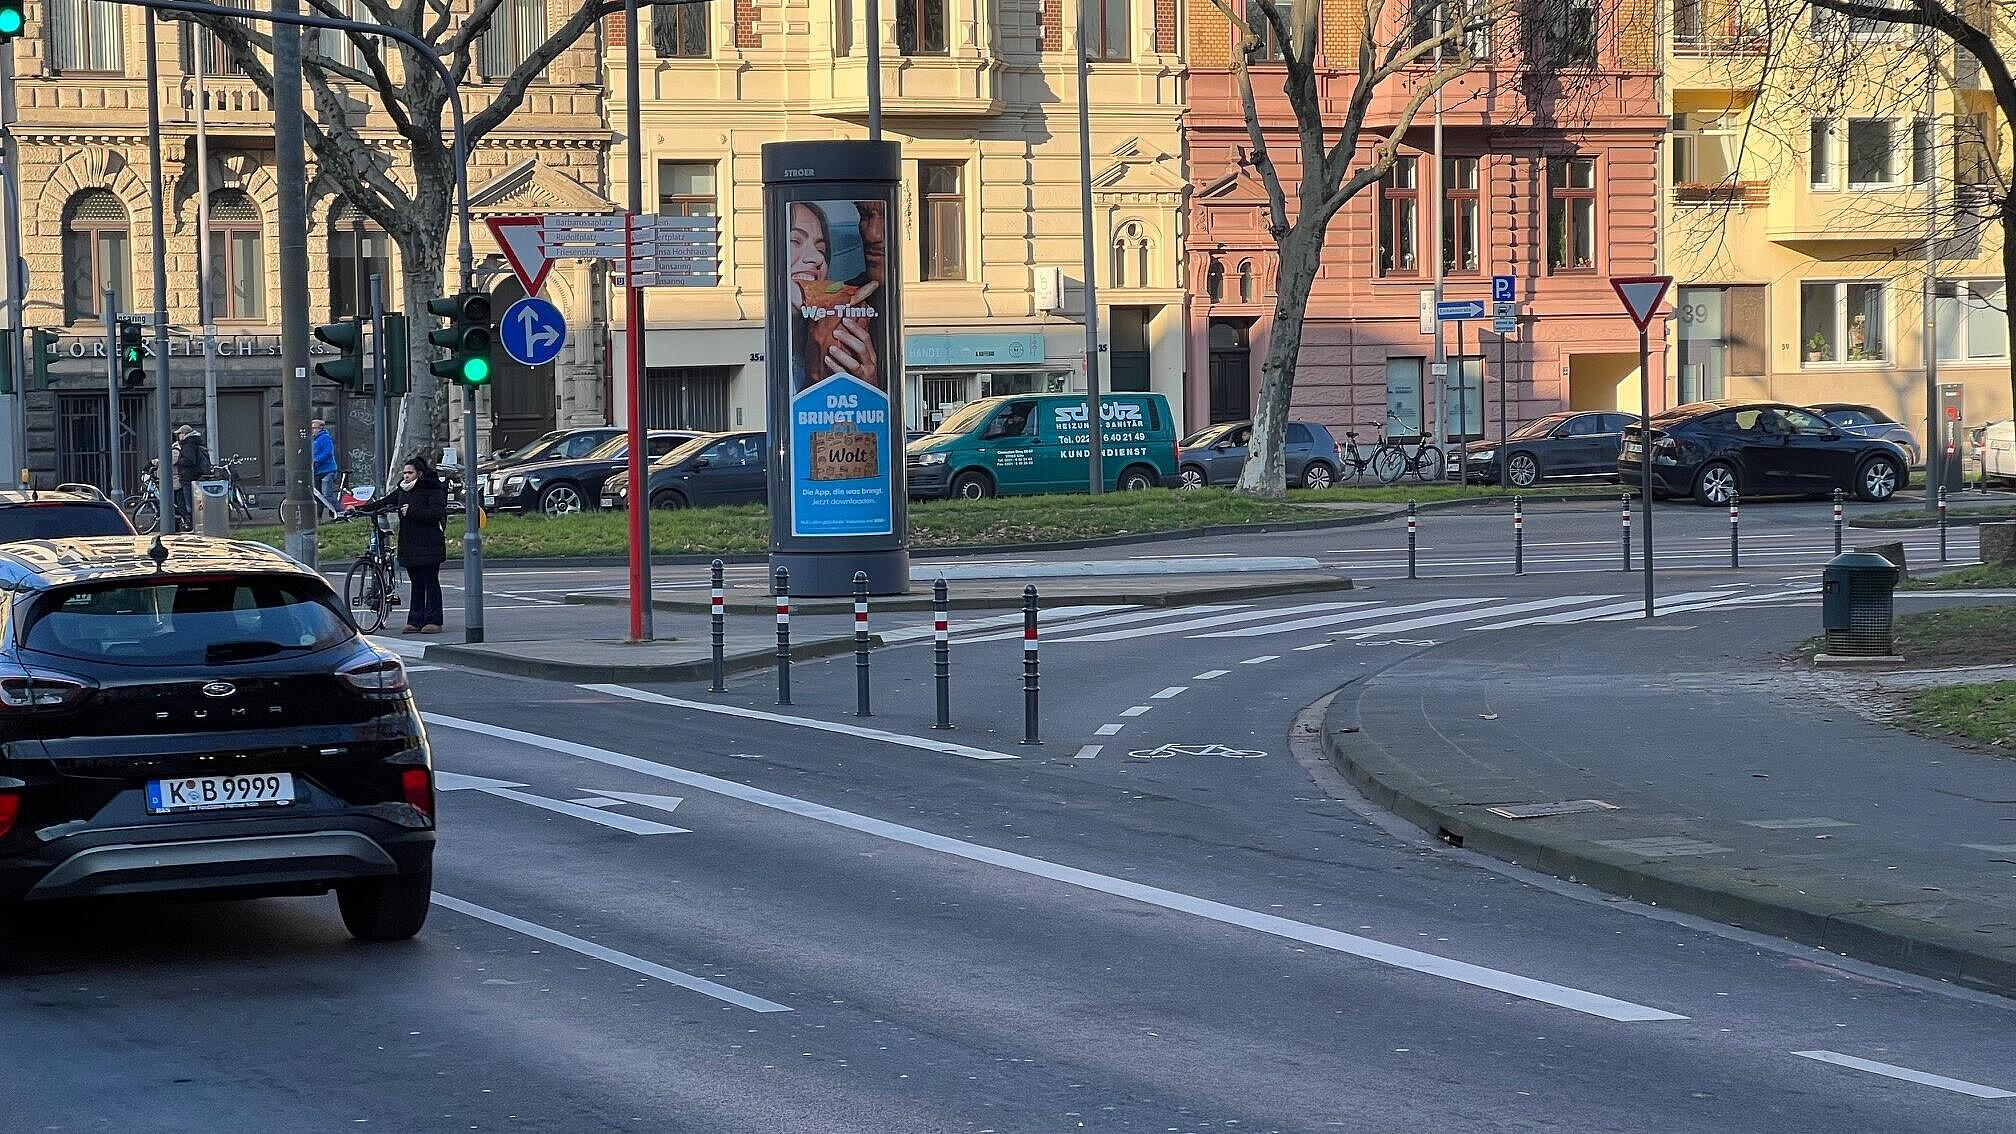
{"x": 1857, "y": 603}
{"x": 213, "y": 507}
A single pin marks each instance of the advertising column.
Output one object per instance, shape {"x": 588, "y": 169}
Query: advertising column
{"x": 833, "y": 353}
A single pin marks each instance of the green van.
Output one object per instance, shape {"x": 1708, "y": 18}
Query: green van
{"x": 1028, "y": 443}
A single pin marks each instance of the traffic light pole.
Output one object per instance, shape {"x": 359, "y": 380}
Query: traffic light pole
{"x": 112, "y": 424}
{"x": 379, "y": 471}
{"x": 17, "y": 278}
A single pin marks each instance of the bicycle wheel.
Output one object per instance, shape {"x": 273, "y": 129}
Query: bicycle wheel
{"x": 146, "y": 514}
{"x": 364, "y": 593}
{"x": 241, "y": 505}
{"x": 1428, "y": 464}
{"x": 1388, "y": 463}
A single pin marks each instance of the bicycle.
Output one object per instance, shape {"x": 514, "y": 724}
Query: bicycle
{"x": 241, "y": 502}
{"x": 1392, "y": 459}
{"x": 144, "y": 507}
{"x": 1351, "y": 458}
{"x": 370, "y": 587}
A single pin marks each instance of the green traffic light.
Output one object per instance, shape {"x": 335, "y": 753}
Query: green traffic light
{"x": 476, "y": 371}
{"x": 10, "y": 21}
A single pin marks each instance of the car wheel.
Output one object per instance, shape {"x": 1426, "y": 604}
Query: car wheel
{"x": 972, "y": 485}
{"x": 1522, "y": 470}
{"x": 386, "y": 909}
{"x": 668, "y": 502}
{"x": 1879, "y": 480}
{"x": 1318, "y": 475}
{"x": 1717, "y": 484}
{"x": 1193, "y": 477}
{"x": 560, "y": 500}
{"x": 1137, "y": 479}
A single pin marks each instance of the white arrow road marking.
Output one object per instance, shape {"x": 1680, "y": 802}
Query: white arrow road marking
{"x": 665, "y": 803}
{"x": 944, "y": 746}
{"x": 504, "y": 789}
{"x": 1322, "y": 937}
{"x": 1892, "y": 1071}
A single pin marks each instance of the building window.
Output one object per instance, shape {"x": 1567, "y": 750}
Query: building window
{"x": 1876, "y": 152}
{"x": 843, "y": 27}
{"x": 237, "y": 257}
{"x": 686, "y": 189}
{"x": 942, "y": 231}
{"x": 1214, "y": 281}
{"x": 96, "y": 255}
{"x": 1571, "y": 32}
{"x": 1461, "y": 237}
{"x": 355, "y": 255}
{"x": 1400, "y": 219}
{"x": 1245, "y": 281}
{"x": 1843, "y": 322}
{"x": 1820, "y": 153}
{"x": 334, "y": 45}
{"x": 1404, "y": 405}
{"x": 86, "y": 35}
{"x": 1973, "y": 319}
{"x": 203, "y": 46}
{"x": 1107, "y": 30}
{"x": 1924, "y": 152}
{"x": 679, "y": 31}
{"x": 1429, "y": 18}
{"x": 920, "y": 27}
{"x": 1705, "y": 149}
{"x": 1571, "y": 214}
{"x": 1463, "y": 399}
{"x": 1130, "y": 256}
{"x": 1826, "y": 23}
{"x": 516, "y": 29}
{"x": 1271, "y": 47}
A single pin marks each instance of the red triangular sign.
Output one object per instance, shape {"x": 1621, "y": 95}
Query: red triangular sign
{"x": 522, "y": 241}
{"x": 1641, "y": 295}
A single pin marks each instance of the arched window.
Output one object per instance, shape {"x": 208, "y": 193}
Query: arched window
{"x": 96, "y": 254}
{"x": 1130, "y": 256}
{"x": 1245, "y": 281}
{"x": 354, "y": 257}
{"x": 86, "y": 36}
{"x": 516, "y": 30}
{"x": 1214, "y": 281}
{"x": 237, "y": 257}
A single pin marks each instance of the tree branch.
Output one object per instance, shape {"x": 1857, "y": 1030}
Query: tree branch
{"x": 1263, "y": 159}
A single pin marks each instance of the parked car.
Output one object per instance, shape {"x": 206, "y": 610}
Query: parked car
{"x": 713, "y": 468}
{"x": 1027, "y": 443}
{"x": 1716, "y": 450}
{"x": 563, "y": 487}
{"x": 1868, "y": 421}
{"x": 1216, "y": 455}
{"x": 199, "y": 717}
{"x": 1565, "y": 444}
{"x": 560, "y": 444}
{"x": 65, "y": 513}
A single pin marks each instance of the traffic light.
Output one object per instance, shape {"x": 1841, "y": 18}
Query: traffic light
{"x": 347, "y": 368}
{"x": 13, "y": 19}
{"x": 7, "y": 337}
{"x": 392, "y": 350}
{"x": 41, "y": 341}
{"x": 132, "y": 353}
{"x": 467, "y": 337}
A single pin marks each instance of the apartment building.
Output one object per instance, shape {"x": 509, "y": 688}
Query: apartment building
{"x": 983, "y": 98}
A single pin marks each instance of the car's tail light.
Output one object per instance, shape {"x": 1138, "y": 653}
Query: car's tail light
{"x": 10, "y": 809}
{"x": 418, "y": 787}
{"x": 22, "y": 691}
{"x": 376, "y": 675}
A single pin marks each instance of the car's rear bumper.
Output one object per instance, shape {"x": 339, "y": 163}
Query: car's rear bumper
{"x": 1667, "y": 480}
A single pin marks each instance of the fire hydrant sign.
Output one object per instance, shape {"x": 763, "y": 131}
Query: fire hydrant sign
{"x": 840, "y": 454}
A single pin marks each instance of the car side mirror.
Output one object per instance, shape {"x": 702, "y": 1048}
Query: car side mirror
{"x": 702, "y": 463}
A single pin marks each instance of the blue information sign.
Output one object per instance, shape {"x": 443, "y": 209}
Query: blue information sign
{"x": 1456, "y": 310}
{"x": 1503, "y": 289}
{"x": 532, "y": 331}
{"x": 840, "y": 460}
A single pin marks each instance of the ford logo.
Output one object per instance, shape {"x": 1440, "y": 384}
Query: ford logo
{"x": 219, "y": 689}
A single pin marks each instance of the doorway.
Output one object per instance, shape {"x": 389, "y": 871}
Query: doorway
{"x": 523, "y": 400}
{"x": 1231, "y": 371}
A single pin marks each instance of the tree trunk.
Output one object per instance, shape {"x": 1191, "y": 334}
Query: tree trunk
{"x": 2008, "y": 308}
{"x": 1266, "y": 471}
{"x": 423, "y": 411}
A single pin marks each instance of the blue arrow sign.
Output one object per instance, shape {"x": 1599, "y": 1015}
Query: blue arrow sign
{"x": 532, "y": 331}
{"x": 1455, "y": 310}
{"x": 1503, "y": 289}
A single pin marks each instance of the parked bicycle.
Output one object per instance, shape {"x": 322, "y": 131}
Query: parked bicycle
{"x": 240, "y": 501}
{"x": 1393, "y": 459}
{"x": 371, "y": 587}
{"x": 144, "y": 506}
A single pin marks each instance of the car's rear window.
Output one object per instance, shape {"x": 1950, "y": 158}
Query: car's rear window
{"x": 61, "y": 521}
{"x": 188, "y": 621}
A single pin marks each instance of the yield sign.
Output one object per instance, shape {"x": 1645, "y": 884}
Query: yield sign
{"x": 1641, "y": 295}
{"x": 523, "y": 242}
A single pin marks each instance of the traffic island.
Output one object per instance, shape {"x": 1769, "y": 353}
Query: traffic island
{"x": 663, "y": 659}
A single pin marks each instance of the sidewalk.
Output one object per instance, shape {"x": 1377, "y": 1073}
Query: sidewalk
{"x": 1684, "y": 764}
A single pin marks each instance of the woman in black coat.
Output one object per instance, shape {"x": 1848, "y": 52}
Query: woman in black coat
{"x": 423, "y": 506}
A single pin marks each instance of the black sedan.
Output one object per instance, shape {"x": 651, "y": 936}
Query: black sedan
{"x": 1713, "y": 451}
{"x": 713, "y": 468}
{"x": 1556, "y": 446}
{"x": 198, "y": 717}
{"x": 1216, "y": 455}
{"x": 563, "y": 487}
{"x": 560, "y": 444}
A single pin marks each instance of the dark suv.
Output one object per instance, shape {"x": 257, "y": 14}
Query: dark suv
{"x": 64, "y": 513}
{"x": 199, "y": 717}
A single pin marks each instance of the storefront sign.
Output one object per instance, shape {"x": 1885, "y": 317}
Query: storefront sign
{"x": 977, "y": 351}
{"x": 181, "y": 345}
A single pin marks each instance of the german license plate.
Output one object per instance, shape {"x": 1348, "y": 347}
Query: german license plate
{"x": 217, "y": 793}
{"x": 1630, "y": 448}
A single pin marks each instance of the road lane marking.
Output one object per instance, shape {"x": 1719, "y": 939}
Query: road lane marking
{"x": 1137, "y": 711}
{"x": 1108, "y": 730}
{"x": 1211, "y": 674}
{"x": 1149, "y": 615}
{"x": 1596, "y": 612}
{"x": 504, "y": 789}
{"x": 1467, "y": 615}
{"x": 962, "y": 627}
{"x": 1348, "y": 616}
{"x": 1397, "y": 956}
{"x": 1172, "y": 691}
{"x": 919, "y": 742}
{"x": 1263, "y": 658}
{"x": 616, "y": 957}
{"x": 1892, "y": 1071}
{"x": 1088, "y": 751}
{"x": 1312, "y": 646}
{"x": 1992, "y": 848}
{"x": 1184, "y": 623}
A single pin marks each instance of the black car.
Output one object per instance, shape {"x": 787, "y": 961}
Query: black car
{"x": 560, "y": 444}
{"x": 713, "y": 468}
{"x": 199, "y": 717}
{"x": 1216, "y": 455}
{"x": 1565, "y": 444}
{"x": 563, "y": 487}
{"x": 66, "y": 513}
{"x": 1713, "y": 451}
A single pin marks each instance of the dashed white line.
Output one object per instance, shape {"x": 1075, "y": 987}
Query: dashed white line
{"x": 1108, "y": 730}
{"x": 1136, "y": 711}
{"x": 907, "y": 741}
{"x": 1172, "y": 691}
{"x": 1261, "y": 658}
{"x": 1313, "y": 646}
{"x": 1892, "y": 1071}
{"x": 1210, "y": 674}
{"x": 1088, "y": 751}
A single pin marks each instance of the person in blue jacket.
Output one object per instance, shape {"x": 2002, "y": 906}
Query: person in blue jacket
{"x": 326, "y": 478}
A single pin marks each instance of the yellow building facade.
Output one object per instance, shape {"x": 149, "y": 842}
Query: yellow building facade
{"x": 1822, "y": 181}
{"x": 982, "y": 97}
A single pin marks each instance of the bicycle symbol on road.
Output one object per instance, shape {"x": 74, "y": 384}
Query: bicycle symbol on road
{"x": 1169, "y": 750}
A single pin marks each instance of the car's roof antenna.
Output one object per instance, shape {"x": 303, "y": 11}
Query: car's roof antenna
{"x": 158, "y": 552}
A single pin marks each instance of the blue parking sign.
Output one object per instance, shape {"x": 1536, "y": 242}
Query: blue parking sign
{"x": 1503, "y": 289}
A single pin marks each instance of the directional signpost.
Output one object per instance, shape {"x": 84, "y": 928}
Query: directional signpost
{"x": 1641, "y": 296}
{"x": 1504, "y": 321}
{"x": 1457, "y": 310}
{"x": 532, "y": 331}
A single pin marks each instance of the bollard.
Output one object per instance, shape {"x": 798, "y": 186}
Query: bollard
{"x": 718, "y": 610}
{"x": 861, "y": 645}
{"x": 783, "y": 589}
{"x": 1735, "y": 556}
{"x": 941, "y": 661}
{"x": 1626, "y": 513}
{"x": 1412, "y": 523}
{"x": 1518, "y": 536}
{"x": 1837, "y": 521}
{"x": 1942, "y": 523}
{"x": 1029, "y": 684}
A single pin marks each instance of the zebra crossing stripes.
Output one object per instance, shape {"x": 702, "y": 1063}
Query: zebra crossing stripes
{"x": 1468, "y": 615}
{"x": 1622, "y": 610}
{"x": 1347, "y": 616}
{"x": 1070, "y": 634}
{"x": 1051, "y": 619}
{"x": 913, "y": 633}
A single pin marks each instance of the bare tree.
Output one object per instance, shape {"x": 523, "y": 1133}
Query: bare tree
{"x": 380, "y": 80}
{"x": 1418, "y": 45}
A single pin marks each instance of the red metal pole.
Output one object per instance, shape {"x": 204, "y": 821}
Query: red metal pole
{"x": 640, "y": 491}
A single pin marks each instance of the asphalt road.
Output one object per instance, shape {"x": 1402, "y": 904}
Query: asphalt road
{"x": 1168, "y": 916}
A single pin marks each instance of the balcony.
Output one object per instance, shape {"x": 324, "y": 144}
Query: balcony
{"x": 1723, "y": 194}
{"x": 1869, "y": 214}
{"x": 228, "y": 101}
{"x": 955, "y": 85}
